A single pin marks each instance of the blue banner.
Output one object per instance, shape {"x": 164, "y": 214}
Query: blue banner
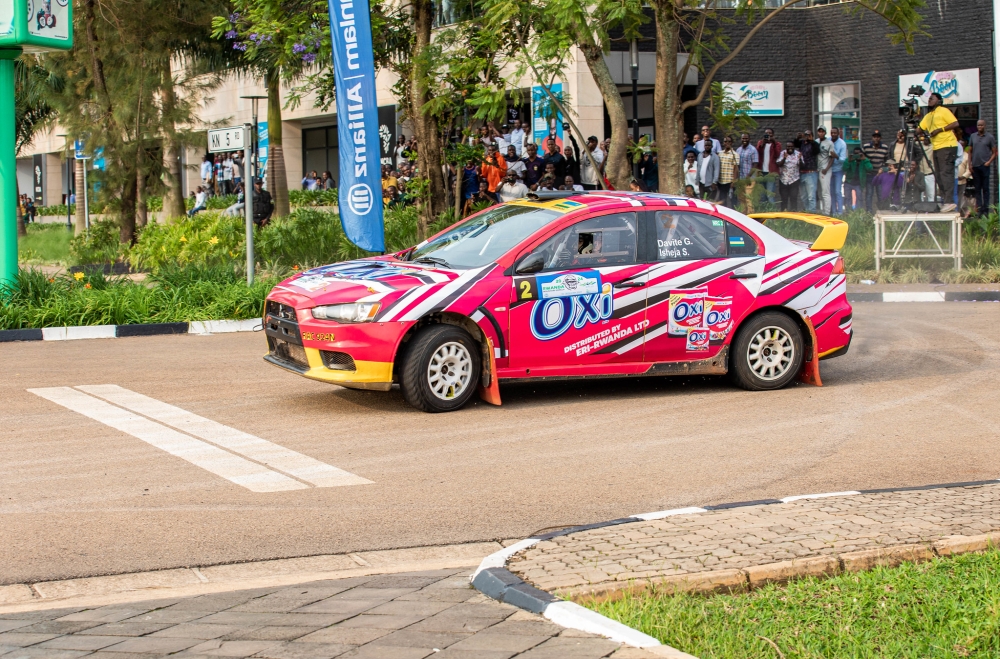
{"x": 360, "y": 189}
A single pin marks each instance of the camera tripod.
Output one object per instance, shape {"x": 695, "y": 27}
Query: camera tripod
{"x": 909, "y": 148}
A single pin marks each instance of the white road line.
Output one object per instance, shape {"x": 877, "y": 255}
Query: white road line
{"x": 277, "y": 457}
{"x": 210, "y": 458}
{"x": 800, "y": 497}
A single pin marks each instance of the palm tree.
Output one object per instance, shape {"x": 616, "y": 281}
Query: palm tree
{"x": 31, "y": 111}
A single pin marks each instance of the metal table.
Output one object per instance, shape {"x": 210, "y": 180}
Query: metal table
{"x": 915, "y": 226}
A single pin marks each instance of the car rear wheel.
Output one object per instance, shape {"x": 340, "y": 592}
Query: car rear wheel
{"x": 767, "y": 352}
{"x": 441, "y": 369}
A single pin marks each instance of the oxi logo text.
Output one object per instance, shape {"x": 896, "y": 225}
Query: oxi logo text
{"x": 551, "y": 318}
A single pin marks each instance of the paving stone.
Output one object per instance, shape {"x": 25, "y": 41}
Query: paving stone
{"x": 453, "y": 653}
{"x": 152, "y": 645}
{"x": 304, "y": 651}
{"x": 420, "y": 639}
{"x": 269, "y": 633}
{"x": 410, "y": 608}
{"x": 44, "y": 653}
{"x": 453, "y": 624}
{"x": 380, "y": 622}
{"x": 536, "y": 627}
{"x": 309, "y": 619}
{"x": 203, "y": 631}
{"x": 103, "y": 614}
{"x": 345, "y": 635}
{"x": 343, "y": 606}
{"x": 79, "y": 642}
{"x": 238, "y": 618}
{"x": 168, "y": 615}
{"x": 486, "y": 640}
{"x": 9, "y": 625}
{"x": 21, "y": 640}
{"x": 369, "y": 652}
{"x": 217, "y": 648}
{"x": 126, "y": 629}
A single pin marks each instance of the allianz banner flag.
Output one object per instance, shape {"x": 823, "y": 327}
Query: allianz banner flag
{"x": 360, "y": 191}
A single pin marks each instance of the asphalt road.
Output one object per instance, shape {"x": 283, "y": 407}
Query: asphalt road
{"x": 914, "y": 403}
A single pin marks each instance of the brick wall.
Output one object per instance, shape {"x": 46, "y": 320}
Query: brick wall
{"x": 823, "y": 45}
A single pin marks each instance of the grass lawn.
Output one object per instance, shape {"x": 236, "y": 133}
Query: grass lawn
{"x": 945, "y": 608}
{"x": 45, "y": 243}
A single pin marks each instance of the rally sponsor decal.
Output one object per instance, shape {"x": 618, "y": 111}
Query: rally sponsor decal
{"x": 686, "y": 311}
{"x": 701, "y": 319}
{"x": 606, "y": 338}
{"x": 718, "y": 317}
{"x": 552, "y": 317}
{"x": 697, "y": 340}
{"x": 570, "y": 284}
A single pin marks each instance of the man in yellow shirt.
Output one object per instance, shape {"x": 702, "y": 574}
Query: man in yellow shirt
{"x": 940, "y": 124}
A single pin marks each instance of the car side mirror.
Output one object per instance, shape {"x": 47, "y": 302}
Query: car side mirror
{"x": 529, "y": 264}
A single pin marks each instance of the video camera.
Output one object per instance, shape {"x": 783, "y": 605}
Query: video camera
{"x": 910, "y": 109}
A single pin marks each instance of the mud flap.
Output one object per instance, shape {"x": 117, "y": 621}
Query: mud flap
{"x": 810, "y": 366}
{"x": 491, "y": 392}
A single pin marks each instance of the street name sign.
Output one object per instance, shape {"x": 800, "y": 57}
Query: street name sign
{"x": 226, "y": 139}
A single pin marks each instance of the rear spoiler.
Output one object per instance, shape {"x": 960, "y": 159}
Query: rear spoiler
{"x": 832, "y": 237}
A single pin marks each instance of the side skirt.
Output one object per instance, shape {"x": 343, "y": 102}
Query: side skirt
{"x": 717, "y": 365}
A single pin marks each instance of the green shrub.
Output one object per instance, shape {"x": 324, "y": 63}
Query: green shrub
{"x": 312, "y": 197}
{"x": 101, "y": 244}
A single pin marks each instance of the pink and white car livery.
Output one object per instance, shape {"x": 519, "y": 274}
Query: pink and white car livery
{"x": 580, "y": 285}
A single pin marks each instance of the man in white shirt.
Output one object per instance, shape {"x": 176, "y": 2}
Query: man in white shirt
{"x": 227, "y": 174}
{"x": 590, "y": 177}
{"x": 706, "y": 136}
{"x": 200, "y": 199}
{"x": 511, "y": 188}
{"x": 570, "y": 185}
{"x": 516, "y": 138}
{"x": 206, "y": 170}
{"x": 398, "y": 151}
{"x": 515, "y": 165}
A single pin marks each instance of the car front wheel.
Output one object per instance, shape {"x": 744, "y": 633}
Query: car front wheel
{"x": 441, "y": 369}
{"x": 767, "y": 352}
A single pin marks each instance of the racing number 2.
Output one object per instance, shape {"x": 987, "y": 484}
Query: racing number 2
{"x": 526, "y": 288}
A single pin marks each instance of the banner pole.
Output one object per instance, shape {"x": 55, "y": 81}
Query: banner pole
{"x": 248, "y": 200}
{"x": 8, "y": 170}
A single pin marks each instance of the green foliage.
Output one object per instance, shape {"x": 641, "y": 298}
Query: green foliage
{"x": 313, "y": 197}
{"x": 175, "y": 295}
{"x": 45, "y": 243}
{"x": 100, "y": 244}
{"x": 727, "y": 114}
{"x": 949, "y": 607}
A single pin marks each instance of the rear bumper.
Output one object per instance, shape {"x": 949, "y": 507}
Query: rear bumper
{"x": 838, "y": 352}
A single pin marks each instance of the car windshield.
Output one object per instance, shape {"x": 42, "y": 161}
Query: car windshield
{"x": 483, "y": 239}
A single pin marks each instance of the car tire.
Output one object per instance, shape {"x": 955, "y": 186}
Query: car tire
{"x": 440, "y": 369}
{"x": 767, "y": 352}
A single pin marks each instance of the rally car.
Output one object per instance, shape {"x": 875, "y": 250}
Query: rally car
{"x": 577, "y": 285}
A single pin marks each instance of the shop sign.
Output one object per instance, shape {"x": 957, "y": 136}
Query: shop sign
{"x": 955, "y": 87}
{"x": 767, "y": 99}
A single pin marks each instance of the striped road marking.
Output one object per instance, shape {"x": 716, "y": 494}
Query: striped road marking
{"x": 239, "y": 457}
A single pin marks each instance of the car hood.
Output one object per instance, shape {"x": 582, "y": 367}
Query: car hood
{"x": 367, "y": 280}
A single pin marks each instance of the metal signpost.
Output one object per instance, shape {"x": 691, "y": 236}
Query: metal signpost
{"x": 50, "y": 28}
{"x": 239, "y": 138}
{"x": 78, "y": 154}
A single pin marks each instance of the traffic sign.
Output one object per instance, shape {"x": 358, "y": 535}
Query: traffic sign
{"x": 78, "y": 150}
{"x": 226, "y": 139}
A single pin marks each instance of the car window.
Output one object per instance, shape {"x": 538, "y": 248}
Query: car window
{"x": 483, "y": 239}
{"x": 684, "y": 236}
{"x": 740, "y": 242}
{"x": 594, "y": 243}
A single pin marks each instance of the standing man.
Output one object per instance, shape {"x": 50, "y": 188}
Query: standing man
{"x": 940, "y": 124}
{"x": 398, "y": 151}
{"x": 808, "y": 172}
{"x": 517, "y": 137}
{"x": 708, "y": 174}
{"x": 747, "y": 156}
{"x": 729, "y": 169}
{"x": 515, "y": 166}
{"x": 789, "y": 162}
{"x": 263, "y": 206}
{"x": 877, "y": 153}
{"x": 768, "y": 150}
{"x": 556, "y": 159}
{"x": 706, "y": 136}
{"x": 984, "y": 152}
{"x": 533, "y": 166}
{"x": 825, "y": 164}
{"x": 837, "y": 171}
{"x": 588, "y": 176}
{"x": 571, "y": 153}
{"x": 206, "y": 171}
{"x": 494, "y": 169}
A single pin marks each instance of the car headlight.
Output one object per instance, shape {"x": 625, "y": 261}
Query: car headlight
{"x": 358, "y": 312}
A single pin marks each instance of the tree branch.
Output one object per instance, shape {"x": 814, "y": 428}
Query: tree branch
{"x": 706, "y": 85}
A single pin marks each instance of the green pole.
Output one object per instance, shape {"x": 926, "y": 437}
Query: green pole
{"x": 8, "y": 170}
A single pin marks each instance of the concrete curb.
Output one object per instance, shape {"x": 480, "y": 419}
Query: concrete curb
{"x": 926, "y": 296}
{"x": 123, "y": 331}
{"x": 494, "y": 580}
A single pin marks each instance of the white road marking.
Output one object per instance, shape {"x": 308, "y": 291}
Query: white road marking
{"x": 277, "y": 457}
{"x": 210, "y": 458}
{"x": 648, "y": 517}
{"x": 800, "y": 497}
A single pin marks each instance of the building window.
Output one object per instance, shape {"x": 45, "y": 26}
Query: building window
{"x": 320, "y": 150}
{"x": 449, "y": 12}
{"x": 839, "y": 105}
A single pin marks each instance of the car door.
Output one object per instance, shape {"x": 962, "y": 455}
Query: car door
{"x": 706, "y": 278}
{"x": 562, "y": 311}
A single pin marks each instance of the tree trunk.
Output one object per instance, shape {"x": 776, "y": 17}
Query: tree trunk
{"x": 126, "y": 221}
{"x": 458, "y": 192}
{"x": 173, "y": 200}
{"x": 617, "y": 167}
{"x": 22, "y": 230}
{"x": 429, "y": 151}
{"x": 667, "y": 100}
{"x": 80, "y": 219}
{"x": 141, "y": 209}
{"x": 277, "y": 178}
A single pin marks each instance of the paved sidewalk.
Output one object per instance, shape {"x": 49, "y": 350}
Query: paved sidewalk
{"x": 734, "y": 539}
{"x": 396, "y": 616}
